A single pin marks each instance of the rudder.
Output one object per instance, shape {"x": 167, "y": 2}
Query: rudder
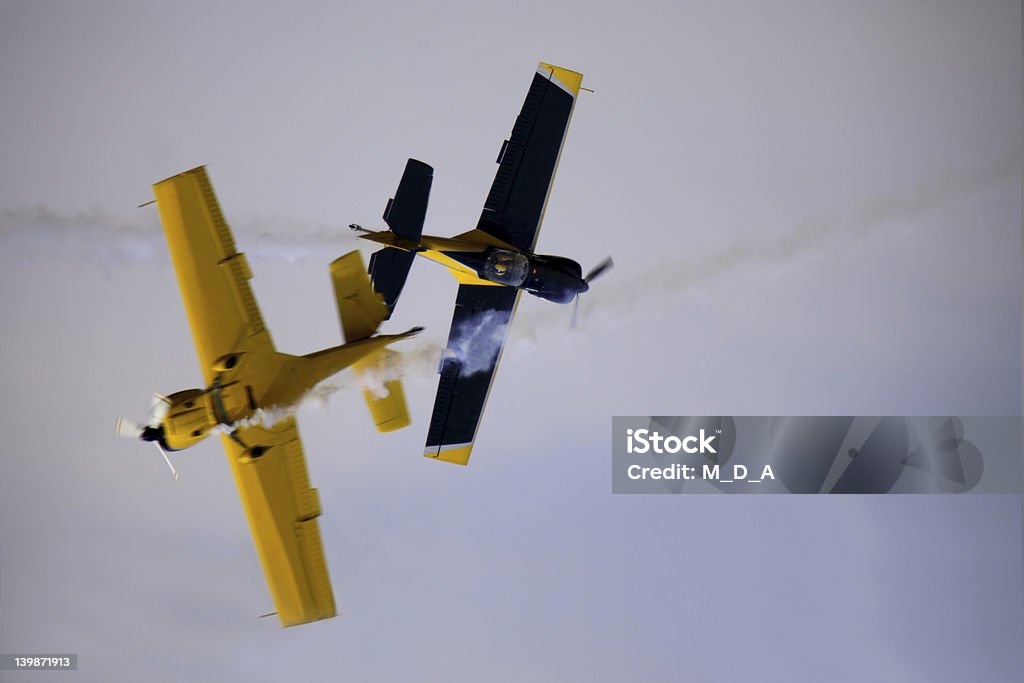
{"x": 361, "y": 311}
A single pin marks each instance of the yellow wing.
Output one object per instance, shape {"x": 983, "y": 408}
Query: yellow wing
{"x": 282, "y": 511}
{"x": 212, "y": 275}
{"x": 232, "y": 343}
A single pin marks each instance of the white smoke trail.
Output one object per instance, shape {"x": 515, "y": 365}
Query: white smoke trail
{"x": 811, "y": 234}
{"x": 477, "y": 340}
{"x": 262, "y": 417}
{"x": 619, "y": 297}
{"x": 415, "y": 360}
{"x": 99, "y": 237}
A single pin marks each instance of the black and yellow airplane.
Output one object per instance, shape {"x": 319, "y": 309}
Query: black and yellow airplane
{"x": 493, "y": 263}
{"x": 246, "y": 379}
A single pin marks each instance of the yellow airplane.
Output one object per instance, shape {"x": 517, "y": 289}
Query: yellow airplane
{"x": 247, "y": 380}
{"x": 493, "y": 263}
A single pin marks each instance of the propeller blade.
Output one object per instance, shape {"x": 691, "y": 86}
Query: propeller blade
{"x": 127, "y": 429}
{"x": 167, "y": 460}
{"x": 158, "y": 410}
{"x": 594, "y": 273}
{"x": 599, "y": 269}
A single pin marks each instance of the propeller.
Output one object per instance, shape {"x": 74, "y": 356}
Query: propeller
{"x": 167, "y": 460}
{"x": 158, "y": 410}
{"x": 597, "y": 270}
{"x": 152, "y": 430}
{"x": 594, "y": 273}
{"x": 127, "y": 429}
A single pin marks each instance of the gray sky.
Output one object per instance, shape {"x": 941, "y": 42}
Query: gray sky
{"x": 814, "y": 208}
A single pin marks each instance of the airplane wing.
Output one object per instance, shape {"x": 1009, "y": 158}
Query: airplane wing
{"x": 212, "y": 274}
{"x": 282, "y": 511}
{"x": 274, "y": 486}
{"x": 528, "y": 159}
{"x": 479, "y": 327}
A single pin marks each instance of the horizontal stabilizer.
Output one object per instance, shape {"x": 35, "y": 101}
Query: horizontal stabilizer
{"x": 379, "y": 375}
{"x": 389, "y": 269}
{"x": 405, "y": 213}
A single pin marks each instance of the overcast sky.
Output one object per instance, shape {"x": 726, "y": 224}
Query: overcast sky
{"x": 814, "y": 208}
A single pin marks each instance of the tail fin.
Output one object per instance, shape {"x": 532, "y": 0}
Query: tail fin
{"x": 361, "y": 311}
{"x": 404, "y": 214}
{"x": 389, "y": 268}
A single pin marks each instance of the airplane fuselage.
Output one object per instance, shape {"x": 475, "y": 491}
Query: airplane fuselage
{"x": 193, "y": 413}
{"x": 479, "y": 259}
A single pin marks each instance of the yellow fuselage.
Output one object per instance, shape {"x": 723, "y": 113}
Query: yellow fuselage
{"x": 276, "y": 380}
{"x": 434, "y": 248}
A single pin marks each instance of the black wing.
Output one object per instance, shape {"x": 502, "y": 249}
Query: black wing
{"x": 528, "y": 159}
{"x": 479, "y": 327}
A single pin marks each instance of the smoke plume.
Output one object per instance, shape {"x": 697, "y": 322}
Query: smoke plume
{"x": 110, "y": 242}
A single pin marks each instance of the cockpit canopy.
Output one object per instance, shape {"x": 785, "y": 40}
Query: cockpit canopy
{"x": 506, "y": 267}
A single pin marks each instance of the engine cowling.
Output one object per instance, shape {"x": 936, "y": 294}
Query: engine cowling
{"x": 554, "y": 278}
{"x": 188, "y": 421}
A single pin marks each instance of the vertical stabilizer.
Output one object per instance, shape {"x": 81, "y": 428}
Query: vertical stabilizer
{"x": 361, "y": 310}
